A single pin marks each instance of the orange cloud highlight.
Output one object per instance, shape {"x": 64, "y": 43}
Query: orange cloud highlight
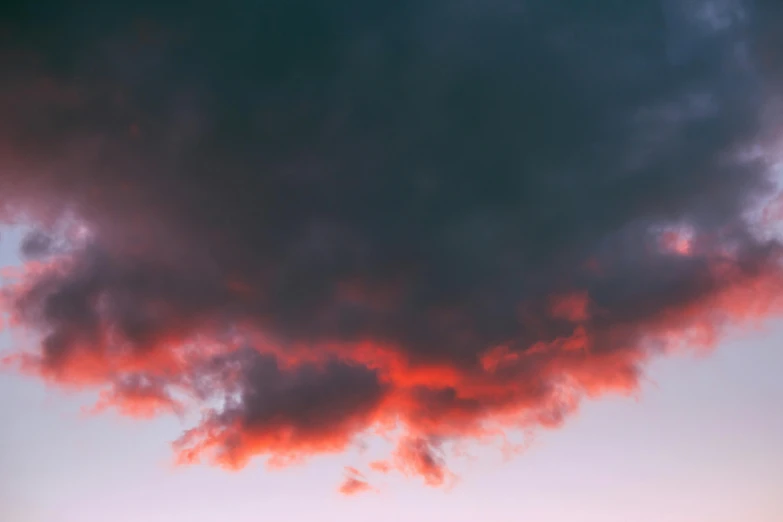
{"x": 354, "y": 483}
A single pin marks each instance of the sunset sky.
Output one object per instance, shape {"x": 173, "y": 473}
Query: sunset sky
{"x": 421, "y": 260}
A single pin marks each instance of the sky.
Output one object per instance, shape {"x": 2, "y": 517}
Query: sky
{"x": 434, "y": 260}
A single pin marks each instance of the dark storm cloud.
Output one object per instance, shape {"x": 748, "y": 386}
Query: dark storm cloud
{"x": 288, "y": 411}
{"x": 36, "y": 244}
{"x": 309, "y": 397}
{"x": 438, "y": 213}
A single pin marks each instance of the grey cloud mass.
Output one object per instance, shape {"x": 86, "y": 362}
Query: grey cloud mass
{"x": 341, "y": 215}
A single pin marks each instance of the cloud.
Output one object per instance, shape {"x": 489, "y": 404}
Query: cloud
{"x": 354, "y": 486}
{"x": 36, "y": 244}
{"x": 354, "y": 483}
{"x": 420, "y": 457}
{"x": 380, "y": 466}
{"x": 136, "y": 395}
{"x": 442, "y": 221}
{"x": 286, "y": 413}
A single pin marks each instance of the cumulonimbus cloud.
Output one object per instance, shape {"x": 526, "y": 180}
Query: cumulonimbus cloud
{"x": 317, "y": 220}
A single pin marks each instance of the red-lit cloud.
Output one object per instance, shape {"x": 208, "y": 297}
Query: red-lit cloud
{"x": 311, "y": 244}
{"x": 354, "y": 483}
{"x": 137, "y": 396}
{"x": 419, "y": 457}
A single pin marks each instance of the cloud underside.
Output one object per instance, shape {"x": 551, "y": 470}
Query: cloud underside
{"x": 317, "y": 221}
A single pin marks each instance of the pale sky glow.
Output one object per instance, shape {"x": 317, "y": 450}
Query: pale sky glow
{"x": 702, "y": 443}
